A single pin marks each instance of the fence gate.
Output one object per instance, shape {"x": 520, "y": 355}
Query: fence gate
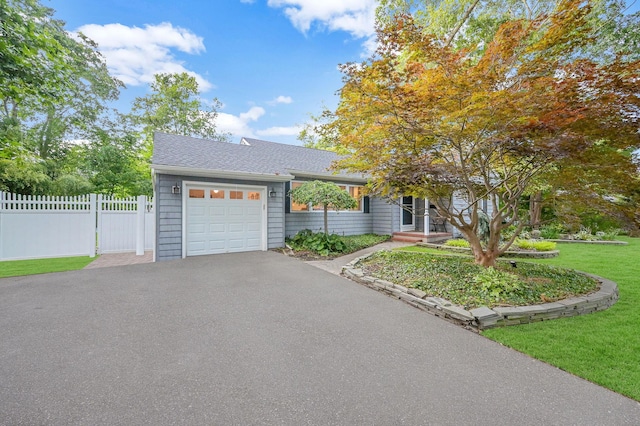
{"x": 34, "y": 227}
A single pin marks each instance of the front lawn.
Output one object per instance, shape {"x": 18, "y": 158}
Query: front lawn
{"x": 15, "y": 268}
{"x": 604, "y": 347}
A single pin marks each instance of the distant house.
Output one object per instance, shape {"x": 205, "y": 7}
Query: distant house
{"x": 217, "y": 197}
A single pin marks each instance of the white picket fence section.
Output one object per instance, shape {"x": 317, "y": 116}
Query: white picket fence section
{"x": 34, "y": 227}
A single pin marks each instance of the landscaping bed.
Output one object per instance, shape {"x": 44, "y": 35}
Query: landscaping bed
{"x": 461, "y": 282}
{"x": 315, "y": 246}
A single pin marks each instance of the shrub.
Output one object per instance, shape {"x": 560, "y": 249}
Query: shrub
{"x": 610, "y": 235}
{"x": 457, "y": 242}
{"x": 318, "y": 242}
{"x": 552, "y": 231}
{"x": 535, "y": 245}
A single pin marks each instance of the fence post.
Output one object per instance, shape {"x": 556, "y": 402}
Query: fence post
{"x": 93, "y": 204}
{"x": 142, "y": 203}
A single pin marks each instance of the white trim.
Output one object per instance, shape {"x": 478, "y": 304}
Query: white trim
{"x": 427, "y": 217}
{"x": 219, "y": 174}
{"x": 263, "y": 197}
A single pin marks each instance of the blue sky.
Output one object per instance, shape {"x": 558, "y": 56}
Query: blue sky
{"x": 270, "y": 62}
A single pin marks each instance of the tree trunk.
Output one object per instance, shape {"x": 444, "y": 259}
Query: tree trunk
{"x": 535, "y": 209}
{"x": 486, "y": 258}
{"x": 326, "y": 220}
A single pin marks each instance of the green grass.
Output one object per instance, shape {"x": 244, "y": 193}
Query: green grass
{"x": 604, "y": 347}
{"x": 15, "y": 268}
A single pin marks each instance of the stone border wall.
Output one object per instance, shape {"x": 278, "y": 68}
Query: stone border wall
{"x": 484, "y": 318}
{"x": 509, "y": 253}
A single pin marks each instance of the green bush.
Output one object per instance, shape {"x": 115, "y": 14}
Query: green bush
{"x": 535, "y": 245}
{"x": 457, "y": 242}
{"x": 610, "y": 235}
{"x": 551, "y": 231}
{"x": 318, "y": 242}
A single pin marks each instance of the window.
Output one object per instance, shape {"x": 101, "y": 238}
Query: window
{"x": 354, "y": 190}
{"x": 196, "y": 193}
{"x": 297, "y": 207}
{"x": 236, "y": 195}
{"x": 216, "y": 193}
{"x": 253, "y": 196}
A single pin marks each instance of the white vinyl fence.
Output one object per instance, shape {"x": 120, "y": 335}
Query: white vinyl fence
{"x": 48, "y": 226}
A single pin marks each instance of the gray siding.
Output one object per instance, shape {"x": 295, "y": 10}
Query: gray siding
{"x": 169, "y": 213}
{"x": 383, "y": 216}
{"x": 341, "y": 223}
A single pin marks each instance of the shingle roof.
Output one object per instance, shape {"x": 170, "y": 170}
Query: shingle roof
{"x": 250, "y": 156}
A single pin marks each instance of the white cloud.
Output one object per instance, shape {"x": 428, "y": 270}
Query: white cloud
{"x": 281, "y": 100}
{"x": 280, "y": 131}
{"x": 135, "y": 54}
{"x": 356, "y": 17}
{"x": 238, "y": 125}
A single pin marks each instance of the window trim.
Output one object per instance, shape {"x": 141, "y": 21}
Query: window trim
{"x": 347, "y": 186}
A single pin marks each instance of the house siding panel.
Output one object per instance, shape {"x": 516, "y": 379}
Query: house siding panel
{"x": 341, "y": 223}
{"x": 382, "y": 213}
{"x": 169, "y": 215}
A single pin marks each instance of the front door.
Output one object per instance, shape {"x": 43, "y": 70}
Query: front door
{"x": 407, "y": 206}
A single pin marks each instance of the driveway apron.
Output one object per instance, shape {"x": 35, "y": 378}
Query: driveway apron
{"x": 260, "y": 338}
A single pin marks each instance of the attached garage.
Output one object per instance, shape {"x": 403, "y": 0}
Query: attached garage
{"x": 221, "y": 218}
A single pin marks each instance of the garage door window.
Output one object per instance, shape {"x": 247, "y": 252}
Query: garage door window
{"x": 196, "y": 193}
{"x": 236, "y": 195}
{"x": 216, "y": 193}
{"x": 253, "y": 196}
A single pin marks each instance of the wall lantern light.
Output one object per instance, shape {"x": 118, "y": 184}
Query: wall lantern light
{"x": 175, "y": 189}
{"x": 272, "y": 193}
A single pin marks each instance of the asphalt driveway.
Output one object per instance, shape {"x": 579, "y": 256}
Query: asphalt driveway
{"x": 259, "y": 338}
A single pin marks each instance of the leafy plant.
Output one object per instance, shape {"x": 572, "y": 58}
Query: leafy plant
{"x": 551, "y": 231}
{"x": 457, "y": 242}
{"x": 498, "y": 284}
{"x": 535, "y": 245}
{"x": 319, "y": 242}
{"x": 610, "y": 235}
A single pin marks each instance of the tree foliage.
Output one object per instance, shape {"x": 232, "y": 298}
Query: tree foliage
{"x": 327, "y": 194}
{"x": 485, "y": 120}
{"x": 175, "y": 106}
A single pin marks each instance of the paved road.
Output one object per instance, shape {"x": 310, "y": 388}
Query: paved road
{"x": 259, "y": 338}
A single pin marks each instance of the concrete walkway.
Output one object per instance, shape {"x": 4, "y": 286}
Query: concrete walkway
{"x": 120, "y": 259}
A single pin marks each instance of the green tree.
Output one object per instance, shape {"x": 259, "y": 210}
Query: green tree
{"x": 53, "y": 87}
{"x": 327, "y": 194}
{"x": 427, "y": 119}
{"x": 175, "y": 106}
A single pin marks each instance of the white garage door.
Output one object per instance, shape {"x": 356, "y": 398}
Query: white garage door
{"x": 224, "y": 219}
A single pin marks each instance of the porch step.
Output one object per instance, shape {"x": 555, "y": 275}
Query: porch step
{"x": 417, "y": 237}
